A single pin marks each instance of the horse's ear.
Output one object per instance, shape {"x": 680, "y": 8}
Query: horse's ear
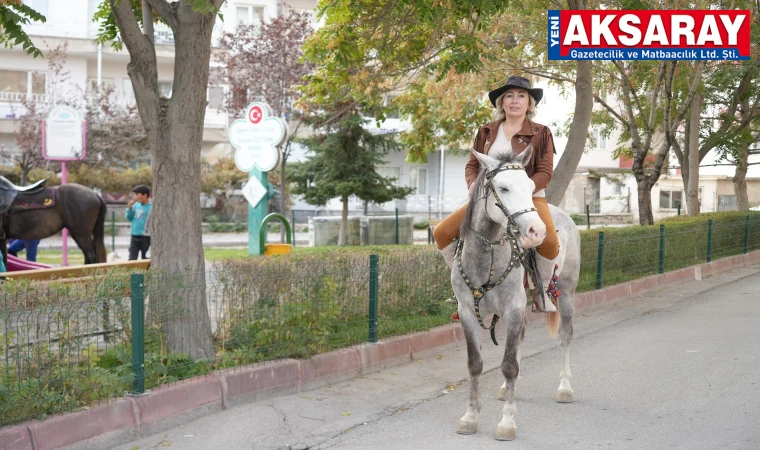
{"x": 486, "y": 160}
{"x": 524, "y": 157}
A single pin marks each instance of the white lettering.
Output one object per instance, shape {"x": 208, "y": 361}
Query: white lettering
{"x": 732, "y": 27}
{"x": 681, "y": 25}
{"x": 602, "y": 27}
{"x": 626, "y": 27}
{"x": 575, "y": 32}
{"x": 655, "y": 32}
{"x": 709, "y": 32}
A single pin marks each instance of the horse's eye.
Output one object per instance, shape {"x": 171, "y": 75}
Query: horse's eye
{"x": 503, "y": 190}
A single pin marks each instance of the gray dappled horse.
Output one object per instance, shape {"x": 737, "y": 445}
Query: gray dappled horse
{"x": 487, "y": 277}
{"x": 37, "y": 212}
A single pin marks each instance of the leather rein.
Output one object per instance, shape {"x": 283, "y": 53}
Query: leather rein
{"x": 510, "y": 237}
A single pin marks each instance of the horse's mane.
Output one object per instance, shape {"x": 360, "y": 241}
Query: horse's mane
{"x": 503, "y": 158}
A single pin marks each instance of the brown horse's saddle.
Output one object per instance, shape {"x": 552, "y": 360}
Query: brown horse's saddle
{"x": 9, "y": 191}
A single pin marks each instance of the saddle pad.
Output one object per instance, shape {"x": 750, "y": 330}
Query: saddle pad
{"x": 41, "y": 200}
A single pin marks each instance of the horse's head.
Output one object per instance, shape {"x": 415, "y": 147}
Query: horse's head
{"x": 512, "y": 201}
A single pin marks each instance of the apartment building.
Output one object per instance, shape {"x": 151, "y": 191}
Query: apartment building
{"x": 87, "y": 63}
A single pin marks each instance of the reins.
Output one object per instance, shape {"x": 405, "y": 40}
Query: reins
{"x": 510, "y": 236}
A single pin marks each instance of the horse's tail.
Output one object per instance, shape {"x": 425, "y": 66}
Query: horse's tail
{"x": 552, "y": 323}
{"x": 98, "y": 234}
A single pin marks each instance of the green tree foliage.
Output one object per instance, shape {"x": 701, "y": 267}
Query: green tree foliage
{"x": 14, "y": 14}
{"x": 343, "y": 163}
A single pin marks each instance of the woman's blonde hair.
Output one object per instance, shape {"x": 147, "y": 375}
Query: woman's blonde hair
{"x": 499, "y": 113}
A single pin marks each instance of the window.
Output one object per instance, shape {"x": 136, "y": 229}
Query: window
{"x": 41, "y": 6}
{"x": 38, "y": 82}
{"x": 670, "y": 199}
{"x": 250, "y": 15}
{"x": 13, "y": 81}
{"x": 418, "y": 180}
{"x": 600, "y": 142}
{"x": 617, "y": 188}
{"x": 390, "y": 172}
{"x": 165, "y": 89}
{"x": 215, "y": 97}
{"x": 129, "y": 93}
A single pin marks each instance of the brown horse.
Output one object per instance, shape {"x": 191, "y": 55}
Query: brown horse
{"x": 36, "y": 212}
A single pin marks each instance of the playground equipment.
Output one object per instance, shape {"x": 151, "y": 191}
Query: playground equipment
{"x": 274, "y": 249}
{"x": 15, "y": 264}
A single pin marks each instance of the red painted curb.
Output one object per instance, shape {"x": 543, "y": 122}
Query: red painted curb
{"x": 66, "y": 429}
{"x": 437, "y": 339}
{"x": 261, "y": 380}
{"x": 16, "y": 438}
{"x": 166, "y": 401}
{"x": 328, "y": 368}
{"x": 385, "y": 353}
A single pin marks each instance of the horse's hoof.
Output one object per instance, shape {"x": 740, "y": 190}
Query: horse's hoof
{"x": 502, "y": 394}
{"x": 505, "y": 433}
{"x": 565, "y": 396}
{"x": 467, "y": 427}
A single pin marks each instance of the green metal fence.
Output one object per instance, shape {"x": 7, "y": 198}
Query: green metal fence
{"x": 68, "y": 346}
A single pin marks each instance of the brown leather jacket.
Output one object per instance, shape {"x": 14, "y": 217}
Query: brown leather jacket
{"x": 541, "y": 165}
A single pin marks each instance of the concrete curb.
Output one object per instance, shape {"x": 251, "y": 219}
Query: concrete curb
{"x": 167, "y": 406}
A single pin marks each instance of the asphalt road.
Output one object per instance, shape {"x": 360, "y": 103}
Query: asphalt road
{"x": 678, "y": 368}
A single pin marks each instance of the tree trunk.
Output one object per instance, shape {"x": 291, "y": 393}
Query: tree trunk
{"x": 24, "y": 177}
{"x": 692, "y": 188}
{"x": 740, "y": 180}
{"x": 576, "y": 141}
{"x": 645, "y": 202}
{"x": 343, "y": 222}
{"x": 174, "y": 127}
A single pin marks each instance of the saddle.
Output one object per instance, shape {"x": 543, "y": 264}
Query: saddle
{"x": 9, "y": 192}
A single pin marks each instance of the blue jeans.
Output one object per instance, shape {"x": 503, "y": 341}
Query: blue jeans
{"x": 30, "y": 246}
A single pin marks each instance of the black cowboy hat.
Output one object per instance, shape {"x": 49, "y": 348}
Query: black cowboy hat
{"x": 516, "y": 82}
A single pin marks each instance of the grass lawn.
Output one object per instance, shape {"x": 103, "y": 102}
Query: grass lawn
{"x": 53, "y": 257}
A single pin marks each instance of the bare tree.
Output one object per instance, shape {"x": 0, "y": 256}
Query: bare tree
{"x": 263, "y": 63}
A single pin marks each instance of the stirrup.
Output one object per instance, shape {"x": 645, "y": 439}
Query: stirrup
{"x": 452, "y": 300}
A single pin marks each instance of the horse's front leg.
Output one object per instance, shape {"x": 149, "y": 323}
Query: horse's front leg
{"x": 503, "y": 390}
{"x": 565, "y": 393}
{"x": 510, "y": 367}
{"x": 468, "y": 424}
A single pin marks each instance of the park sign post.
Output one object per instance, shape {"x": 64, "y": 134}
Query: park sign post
{"x": 64, "y": 138}
{"x": 257, "y": 138}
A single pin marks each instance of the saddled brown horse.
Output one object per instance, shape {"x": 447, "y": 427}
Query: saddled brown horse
{"x": 38, "y": 212}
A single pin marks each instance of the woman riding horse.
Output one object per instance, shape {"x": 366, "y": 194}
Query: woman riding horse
{"x": 515, "y": 104}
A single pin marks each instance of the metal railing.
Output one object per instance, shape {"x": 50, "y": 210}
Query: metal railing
{"x": 65, "y": 346}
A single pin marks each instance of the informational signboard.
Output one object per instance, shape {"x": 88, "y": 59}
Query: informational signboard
{"x": 256, "y": 138}
{"x": 64, "y": 136}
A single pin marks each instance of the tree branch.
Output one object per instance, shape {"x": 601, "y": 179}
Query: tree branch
{"x": 166, "y": 11}
{"x": 612, "y": 111}
{"x": 740, "y": 92}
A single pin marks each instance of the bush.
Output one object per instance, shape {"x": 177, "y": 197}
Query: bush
{"x": 424, "y": 225}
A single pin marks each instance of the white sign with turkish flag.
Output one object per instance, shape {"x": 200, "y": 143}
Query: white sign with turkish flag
{"x": 256, "y": 138}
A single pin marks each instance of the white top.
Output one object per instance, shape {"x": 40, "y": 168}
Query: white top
{"x": 502, "y": 145}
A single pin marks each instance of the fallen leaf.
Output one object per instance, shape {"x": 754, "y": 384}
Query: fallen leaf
{"x": 439, "y": 357}
{"x": 305, "y": 397}
{"x": 451, "y": 387}
{"x": 346, "y": 413}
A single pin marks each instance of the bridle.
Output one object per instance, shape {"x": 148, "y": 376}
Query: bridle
{"x": 510, "y": 236}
